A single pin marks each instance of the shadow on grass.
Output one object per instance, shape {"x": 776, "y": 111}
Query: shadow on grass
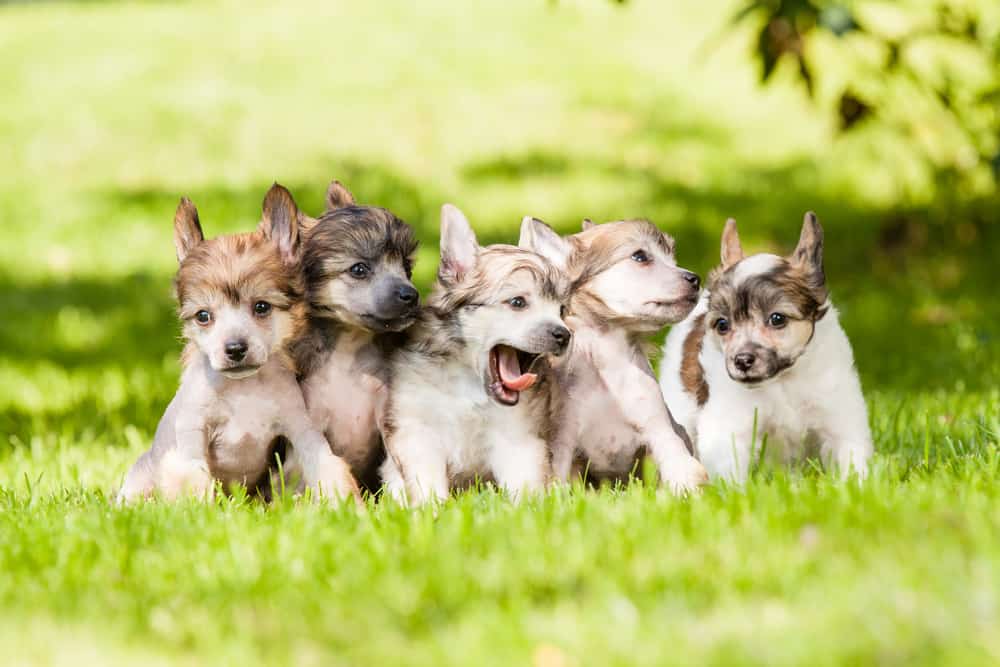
{"x": 916, "y": 291}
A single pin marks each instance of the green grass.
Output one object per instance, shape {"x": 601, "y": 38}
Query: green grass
{"x": 111, "y": 112}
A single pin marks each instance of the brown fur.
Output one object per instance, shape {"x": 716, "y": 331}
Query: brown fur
{"x": 692, "y": 374}
{"x": 242, "y": 268}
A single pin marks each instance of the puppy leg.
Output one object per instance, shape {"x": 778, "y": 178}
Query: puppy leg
{"x": 724, "y": 443}
{"x": 325, "y": 473}
{"x": 562, "y": 459}
{"x": 847, "y": 443}
{"x": 519, "y": 467}
{"x": 183, "y": 469}
{"x": 648, "y": 412}
{"x": 422, "y": 467}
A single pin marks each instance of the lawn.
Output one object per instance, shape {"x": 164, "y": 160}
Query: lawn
{"x": 110, "y": 112}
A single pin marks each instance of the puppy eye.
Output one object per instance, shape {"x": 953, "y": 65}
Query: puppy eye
{"x": 562, "y": 312}
{"x": 640, "y": 256}
{"x": 777, "y": 320}
{"x": 408, "y": 267}
{"x": 203, "y": 317}
{"x": 262, "y": 309}
{"x": 360, "y": 270}
{"x": 518, "y": 303}
{"x": 721, "y": 326}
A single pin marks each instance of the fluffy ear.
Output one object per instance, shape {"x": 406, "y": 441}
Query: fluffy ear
{"x": 280, "y": 221}
{"x": 587, "y": 224}
{"x": 459, "y": 247}
{"x": 809, "y": 252}
{"x": 337, "y": 196}
{"x": 732, "y": 251}
{"x": 539, "y": 237}
{"x": 187, "y": 229}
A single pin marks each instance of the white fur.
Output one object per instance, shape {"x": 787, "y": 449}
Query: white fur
{"x": 816, "y": 401}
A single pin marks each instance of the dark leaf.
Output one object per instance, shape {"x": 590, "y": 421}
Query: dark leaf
{"x": 852, "y": 110}
{"x": 806, "y": 74}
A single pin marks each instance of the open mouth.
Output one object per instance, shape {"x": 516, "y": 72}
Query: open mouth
{"x": 510, "y": 373}
{"x": 239, "y": 372}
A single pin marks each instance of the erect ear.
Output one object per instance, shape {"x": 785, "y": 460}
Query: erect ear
{"x": 280, "y": 221}
{"x": 732, "y": 251}
{"x": 587, "y": 224}
{"x": 187, "y": 229}
{"x": 539, "y": 237}
{"x": 459, "y": 247}
{"x": 809, "y": 252}
{"x": 337, "y": 196}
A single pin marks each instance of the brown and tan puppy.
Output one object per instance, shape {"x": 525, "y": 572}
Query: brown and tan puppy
{"x": 609, "y": 411}
{"x": 357, "y": 262}
{"x": 240, "y": 299}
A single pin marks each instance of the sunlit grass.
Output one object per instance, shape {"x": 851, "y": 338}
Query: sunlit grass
{"x": 111, "y": 112}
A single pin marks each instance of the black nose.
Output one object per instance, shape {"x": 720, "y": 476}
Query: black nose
{"x": 562, "y": 336}
{"x": 407, "y": 294}
{"x": 692, "y": 278}
{"x": 744, "y": 361}
{"x": 236, "y": 349}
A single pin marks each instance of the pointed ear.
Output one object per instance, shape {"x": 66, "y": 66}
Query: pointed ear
{"x": 809, "y": 251}
{"x": 539, "y": 237}
{"x": 459, "y": 247}
{"x": 337, "y": 196}
{"x": 280, "y": 221}
{"x": 732, "y": 251}
{"x": 587, "y": 224}
{"x": 187, "y": 229}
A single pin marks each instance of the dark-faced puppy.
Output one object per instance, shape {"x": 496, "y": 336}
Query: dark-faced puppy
{"x": 241, "y": 305}
{"x": 357, "y": 262}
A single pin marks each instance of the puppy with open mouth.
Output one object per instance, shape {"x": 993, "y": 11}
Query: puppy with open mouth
{"x": 764, "y": 350}
{"x": 239, "y": 400}
{"x": 470, "y": 390}
{"x": 357, "y": 263}
{"x": 608, "y": 410}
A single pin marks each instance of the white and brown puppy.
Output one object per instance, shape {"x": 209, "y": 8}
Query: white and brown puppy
{"x": 357, "y": 262}
{"x": 469, "y": 395}
{"x": 764, "y": 348}
{"x": 241, "y": 304}
{"x": 609, "y": 411}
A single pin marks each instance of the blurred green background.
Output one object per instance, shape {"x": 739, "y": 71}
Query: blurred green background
{"x": 110, "y": 112}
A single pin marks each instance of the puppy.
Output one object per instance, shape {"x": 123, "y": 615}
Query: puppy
{"x": 764, "y": 349}
{"x": 609, "y": 411}
{"x": 357, "y": 262}
{"x": 240, "y": 303}
{"x": 470, "y": 394}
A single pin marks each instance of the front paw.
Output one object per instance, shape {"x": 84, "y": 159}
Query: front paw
{"x": 337, "y": 483}
{"x": 683, "y": 475}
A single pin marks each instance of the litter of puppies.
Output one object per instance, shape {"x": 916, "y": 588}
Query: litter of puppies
{"x": 311, "y": 363}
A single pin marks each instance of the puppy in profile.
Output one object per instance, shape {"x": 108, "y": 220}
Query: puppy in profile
{"x": 764, "y": 349}
{"x": 609, "y": 411}
{"x": 470, "y": 394}
{"x": 241, "y": 304}
{"x": 357, "y": 262}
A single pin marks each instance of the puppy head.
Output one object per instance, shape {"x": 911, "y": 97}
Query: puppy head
{"x": 509, "y": 304}
{"x": 357, "y": 262}
{"x": 621, "y": 272}
{"x": 763, "y": 308}
{"x": 240, "y": 298}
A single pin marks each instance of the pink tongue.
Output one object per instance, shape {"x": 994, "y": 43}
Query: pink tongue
{"x": 510, "y": 370}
